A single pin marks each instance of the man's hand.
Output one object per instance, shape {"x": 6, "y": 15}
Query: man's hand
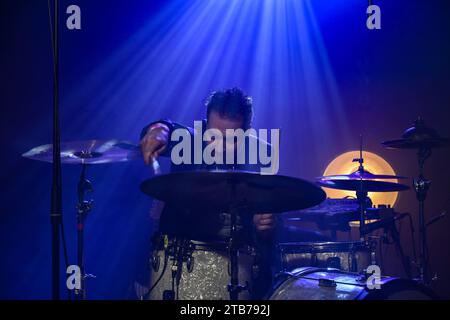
{"x": 154, "y": 142}
{"x": 264, "y": 223}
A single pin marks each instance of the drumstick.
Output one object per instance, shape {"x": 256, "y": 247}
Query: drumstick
{"x": 156, "y": 167}
{"x": 157, "y": 206}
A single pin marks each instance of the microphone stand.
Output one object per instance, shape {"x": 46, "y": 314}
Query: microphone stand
{"x": 56, "y": 192}
{"x": 396, "y": 238}
{"x": 389, "y": 227}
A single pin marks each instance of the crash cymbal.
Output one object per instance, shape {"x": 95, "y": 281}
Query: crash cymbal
{"x": 88, "y": 152}
{"x": 218, "y": 190}
{"x": 362, "y": 185}
{"x": 365, "y": 175}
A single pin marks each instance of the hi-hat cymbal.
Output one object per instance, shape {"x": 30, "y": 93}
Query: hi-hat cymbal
{"x": 419, "y": 136}
{"x": 365, "y": 175}
{"x": 88, "y": 152}
{"x": 218, "y": 190}
{"x": 362, "y": 185}
{"x": 429, "y": 143}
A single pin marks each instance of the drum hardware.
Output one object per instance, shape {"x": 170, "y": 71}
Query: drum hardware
{"x": 328, "y": 283}
{"x": 337, "y": 214}
{"x": 83, "y": 208}
{"x": 234, "y": 288}
{"x": 177, "y": 268}
{"x": 362, "y": 193}
{"x": 146, "y": 295}
{"x": 361, "y": 181}
{"x": 423, "y": 139}
{"x": 175, "y": 251}
{"x": 436, "y": 218}
{"x": 388, "y": 224}
{"x": 155, "y": 262}
{"x": 85, "y": 153}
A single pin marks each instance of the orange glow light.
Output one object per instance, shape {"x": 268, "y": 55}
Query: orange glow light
{"x": 373, "y": 163}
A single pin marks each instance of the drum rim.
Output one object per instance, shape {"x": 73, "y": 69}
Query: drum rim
{"x": 327, "y": 246}
{"x": 282, "y": 277}
{"x": 391, "y": 283}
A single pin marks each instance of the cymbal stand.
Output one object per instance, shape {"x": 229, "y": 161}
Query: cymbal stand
{"x": 83, "y": 208}
{"x": 361, "y": 194}
{"x": 234, "y": 288}
{"x": 421, "y": 186}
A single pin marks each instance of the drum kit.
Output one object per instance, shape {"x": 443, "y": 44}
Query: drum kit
{"x": 306, "y": 270}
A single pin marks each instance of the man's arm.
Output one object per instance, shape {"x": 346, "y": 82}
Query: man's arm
{"x": 265, "y": 224}
{"x": 155, "y": 139}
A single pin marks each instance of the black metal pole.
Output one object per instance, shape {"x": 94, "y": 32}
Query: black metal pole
{"x": 82, "y": 209}
{"x": 234, "y": 288}
{"x": 361, "y": 194}
{"x": 421, "y": 186}
{"x": 234, "y": 265}
{"x": 56, "y": 201}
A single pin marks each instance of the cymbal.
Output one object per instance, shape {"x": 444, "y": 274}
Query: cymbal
{"x": 365, "y": 175}
{"x": 88, "y": 152}
{"x": 429, "y": 143}
{"x": 364, "y": 185}
{"x": 419, "y": 136}
{"x": 217, "y": 190}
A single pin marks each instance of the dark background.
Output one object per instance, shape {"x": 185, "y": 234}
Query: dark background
{"x": 130, "y": 65}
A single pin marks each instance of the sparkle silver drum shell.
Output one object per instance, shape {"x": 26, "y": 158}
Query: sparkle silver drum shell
{"x": 205, "y": 273}
{"x": 349, "y": 256}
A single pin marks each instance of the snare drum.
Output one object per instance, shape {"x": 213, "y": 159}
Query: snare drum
{"x": 333, "y": 284}
{"x": 194, "y": 270}
{"x": 348, "y": 256}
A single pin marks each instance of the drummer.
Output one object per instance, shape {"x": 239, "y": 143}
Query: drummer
{"x": 229, "y": 109}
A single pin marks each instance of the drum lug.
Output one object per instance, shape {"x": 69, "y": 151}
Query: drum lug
{"x": 155, "y": 262}
{"x": 190, "y": 264}
{"x": 329, "y": 283}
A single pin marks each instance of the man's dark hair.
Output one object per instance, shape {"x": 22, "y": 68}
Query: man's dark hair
{"x": 232, "y": 104}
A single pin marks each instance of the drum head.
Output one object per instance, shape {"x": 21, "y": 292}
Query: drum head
{"x": 330, "y": 284}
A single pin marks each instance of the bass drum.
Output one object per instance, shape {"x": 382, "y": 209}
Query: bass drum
{"x": 333, "y": 284}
